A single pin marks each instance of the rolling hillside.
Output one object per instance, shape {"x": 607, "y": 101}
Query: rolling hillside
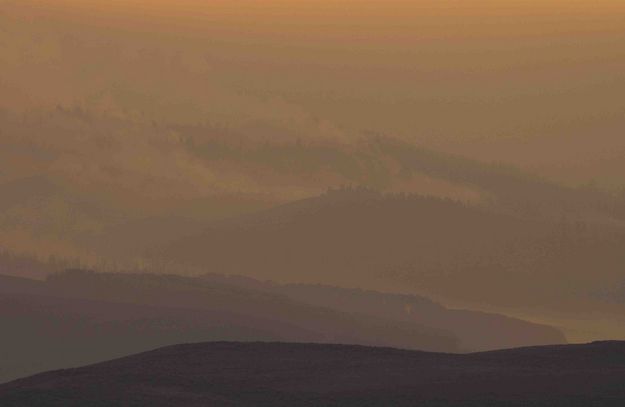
{"x": 475, "y": 331}
{"x": 79, "y": 317}
{"x": 415, "y": 244}
{"x": 294, "y": 375}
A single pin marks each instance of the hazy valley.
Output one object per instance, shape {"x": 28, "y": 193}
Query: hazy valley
{"x": 328, "y": 202}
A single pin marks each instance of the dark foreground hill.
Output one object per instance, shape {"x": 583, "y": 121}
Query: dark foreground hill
{"x": 78, "y": 318}
{"x": 279, "y": 374}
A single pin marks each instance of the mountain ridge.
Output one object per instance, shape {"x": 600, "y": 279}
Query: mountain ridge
{"x": 80, "y": 317}
{"x": 284, "y": 374}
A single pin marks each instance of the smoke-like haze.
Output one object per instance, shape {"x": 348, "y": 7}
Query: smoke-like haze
{"x": 537, "y": 83}
{"x": 128, "y": 126}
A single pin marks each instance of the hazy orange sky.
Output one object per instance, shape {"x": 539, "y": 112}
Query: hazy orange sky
{"x": 535, "y": 83}
{"x": 120, "y": 110}
{"x": 343, "y": 14}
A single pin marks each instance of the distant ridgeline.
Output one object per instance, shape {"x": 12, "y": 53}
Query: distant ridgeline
{"x": 79, "y": 317}
{"x": 401, "y": 242}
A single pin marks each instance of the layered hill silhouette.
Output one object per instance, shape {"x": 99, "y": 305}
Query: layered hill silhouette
{"x": 475, "y": 331}
{"x": 93, "y": 207}
{"x": 79, "y": 317}
{"x": 413, "y": 243}
{"x": 282, "y": 374}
